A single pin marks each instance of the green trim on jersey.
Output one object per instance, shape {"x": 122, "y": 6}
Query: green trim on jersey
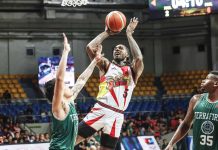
{"x": 64, "y": 132}
{"x": 205, "y": 126}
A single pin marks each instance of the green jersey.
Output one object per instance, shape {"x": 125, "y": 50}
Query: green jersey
{"x": 205, "y": 126}
{"x": 64, "y": 132}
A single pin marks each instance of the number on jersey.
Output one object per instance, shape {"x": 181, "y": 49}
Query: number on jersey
{"x": 206, "y": 140}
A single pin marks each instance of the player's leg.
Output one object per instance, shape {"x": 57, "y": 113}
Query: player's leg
{"x": 84, "y": 131}
{"x": 108, "y": 142}
{"x": 93, "y": 122}
{"x": 111, "y": 130}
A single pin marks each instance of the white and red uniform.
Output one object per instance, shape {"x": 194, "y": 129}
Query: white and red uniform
{"x": 115, "y": 91}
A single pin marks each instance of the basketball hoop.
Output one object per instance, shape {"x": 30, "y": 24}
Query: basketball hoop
{"x": 74, "y": 3}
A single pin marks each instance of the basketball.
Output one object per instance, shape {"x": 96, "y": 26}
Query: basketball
{"x": 115, "y": 21}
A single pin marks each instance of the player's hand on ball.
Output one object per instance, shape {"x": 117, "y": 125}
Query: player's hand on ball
{"x": 66, "y": 44}
{"x": 132, "y": 25}
{"x": 110, "y": 32}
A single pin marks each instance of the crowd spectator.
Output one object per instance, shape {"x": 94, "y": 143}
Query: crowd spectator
{"x": 47, "y": 137}
{"x": 37, "y": 138}
{"x": 81, "y": 146}
{"x": 1, "y": 140}
{"x": 32, "y": 139}
{"x": 12, "y": 133}
{"x": 140, "y": 124}
{"x": 6, "y": 95}
{"x": 174, "y": 123}
{"x": 41, "y": 138}
{"x": 17, "y": 127}
{"x": 89, "y": 144}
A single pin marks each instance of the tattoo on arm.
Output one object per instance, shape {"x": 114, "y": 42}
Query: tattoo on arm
{"x": 137, "y": 63}
{"x": 63, "y": 106}
{"x": 81, "y": 81}
{"x": 135, "y": 50}
{"x": 96, "y": 41}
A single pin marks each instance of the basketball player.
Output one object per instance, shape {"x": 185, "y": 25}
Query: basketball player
{"x": 64, "y": 116}
{"x": 117, "y": 81}
{"x": 203, "y": 111}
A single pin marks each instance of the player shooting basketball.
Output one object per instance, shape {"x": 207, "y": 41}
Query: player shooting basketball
{"x": 64, "y": 116}
{"x": 117, "y": 81}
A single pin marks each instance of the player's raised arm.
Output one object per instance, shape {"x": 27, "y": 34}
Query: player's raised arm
{"x": 92, "y": 50}
{"x": 81, "y": 81}
{"x": 59, "y": 84}
{"x": 137, "y": 65}
{"x": 185, "y": 125}
{"x": 91, "y": 47}
{"x": 112, "y": 20}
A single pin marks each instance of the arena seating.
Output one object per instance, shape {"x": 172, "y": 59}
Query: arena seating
{"x": 142, "y": 106}
{"x": 37, "y": 110}
{"x": 177, "y": 86}
{"x": 13, "y": 83}
{"x": 182, "y": 83}
{"x": 92, "y": 85}
{"x": 145, "y": 86}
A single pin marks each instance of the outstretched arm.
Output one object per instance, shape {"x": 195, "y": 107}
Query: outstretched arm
{"x": 185, "y": 125}
{"x": 59, "y": 83}
{"x": 81, "y": 81}
{"x": 138, "y": 65}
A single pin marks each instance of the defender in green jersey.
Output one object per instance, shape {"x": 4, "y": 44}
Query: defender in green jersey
{"x": 203, "y": 111}
{"x": 64, "y": 116}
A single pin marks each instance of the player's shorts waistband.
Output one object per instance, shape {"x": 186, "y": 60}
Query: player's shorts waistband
{"x": 110, "y": 107}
